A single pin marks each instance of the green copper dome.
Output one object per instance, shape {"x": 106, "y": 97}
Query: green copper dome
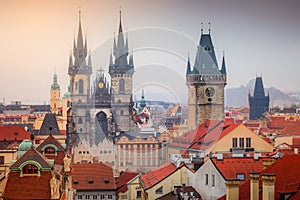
{"x": 23, "y": 147}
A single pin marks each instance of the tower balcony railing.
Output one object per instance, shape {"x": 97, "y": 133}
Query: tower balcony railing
{"x": 207, "y": 78}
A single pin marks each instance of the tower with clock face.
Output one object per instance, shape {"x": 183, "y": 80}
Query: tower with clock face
{"x": 206, "y": 83}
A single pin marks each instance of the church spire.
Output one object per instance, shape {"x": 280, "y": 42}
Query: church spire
{"x": 111, "y": 60}
{"x": 223, "y": 69}
{"x": 79, "y": 36}
{"x": 188, "y": 67}
{"x": 70, "y": 60}
{"x": 55, "y": 85}
{"x": 143, "y": 101}
{"x": 90, "y": 60}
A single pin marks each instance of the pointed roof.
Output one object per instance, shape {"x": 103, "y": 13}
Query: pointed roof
{"x": 50, "y": 140}
{"x": 90, "y": 60}
{"x": 55, "y": 85}
{"x": 206, "y": 62}
{"x": 49, "y": 126}
{"x": 259, "y": 90}
{"x": 34, "y": 155}
{"x": 143, "y": 101}
{"x": 223, "y": 69}
{"x": 79, "y": 35}
{"x": 188, "y": 67}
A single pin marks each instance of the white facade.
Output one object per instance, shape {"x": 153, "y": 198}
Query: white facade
{"x": 208, "y": 182}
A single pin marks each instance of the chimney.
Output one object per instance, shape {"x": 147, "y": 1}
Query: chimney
{"x": 267, "y": 163}
{"x": 268, "y": 186}
{"x": 296, "y": 150}
{"x": 254, "y": 185}
{"x": 232, "y": 189}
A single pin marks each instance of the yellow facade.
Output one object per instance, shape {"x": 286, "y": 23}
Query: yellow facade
{"x": 133, "y": 186}
{"x": 241, "y": 131}
{"x": 179, "y": 177}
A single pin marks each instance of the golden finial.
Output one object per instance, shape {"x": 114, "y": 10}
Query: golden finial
{"x": 209, "y": 28}
{"x": 201, "y": 27}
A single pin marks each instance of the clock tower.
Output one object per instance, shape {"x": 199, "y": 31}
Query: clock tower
{"x": 206, "y": 83}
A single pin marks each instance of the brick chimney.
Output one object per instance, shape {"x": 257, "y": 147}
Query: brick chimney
{"x": 268, "y": 186}
{"x": 267, "y": 163}
{"x": 232, "y": 189}
{"x": 254, "y": 185}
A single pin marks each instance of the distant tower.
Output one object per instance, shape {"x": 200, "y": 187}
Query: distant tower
{"x": 143, "y": 101}
{"x": 206, "y": 85}
{"x": 55, "y": 104}
{"x": 79, "y": 73}
{"x": 259, "y": 103}
{"x": 121, "y": 71}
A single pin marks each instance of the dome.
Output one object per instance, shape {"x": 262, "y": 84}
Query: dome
{"x": 67, "y": 95}
{"x": 23, "y": 147}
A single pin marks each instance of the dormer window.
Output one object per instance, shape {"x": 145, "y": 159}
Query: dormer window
{"x": 207, "y": 49}
{"x": 30, "y": 169}
{"x": 49, "y": 151}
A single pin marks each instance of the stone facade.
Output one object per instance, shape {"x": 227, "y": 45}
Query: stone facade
{"x": 205, "y": 85}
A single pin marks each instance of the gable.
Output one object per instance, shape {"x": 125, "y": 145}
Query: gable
{"x": 224, "y": 144}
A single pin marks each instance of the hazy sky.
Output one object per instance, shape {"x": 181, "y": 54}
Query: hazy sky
{"x": 258, "y": 37}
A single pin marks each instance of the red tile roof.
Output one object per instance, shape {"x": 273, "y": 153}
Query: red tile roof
{"x": 211, "y": 136}
{"x": 230, "y": 167}
{"x": 186, "y": 139}
{"x": 28, "y": 187}
{"x": 11, "y": 133}
{"x": 92, "y": 177}
{"x": 287, "y": 177}
{"x": 153, "y": 177}
{"x": 123, "y": 179}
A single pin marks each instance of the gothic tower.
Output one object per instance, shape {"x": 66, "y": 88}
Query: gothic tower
{"x": 206, "y": 85}
{"x": 259, "y": 103}
{"x": 121, "y": 70}
{"x": 79, "y": 73}
{"x": 55, "y": 96}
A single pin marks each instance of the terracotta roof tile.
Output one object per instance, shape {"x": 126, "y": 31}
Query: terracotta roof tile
{"x": 92, "y": 177}
{"x": 10, "y": 133}
{"x": 155, "y": 176}
{"x": 123, "y": 179}
{"x": 230, "y": 167}
{"x": 28, "y": 187}
{"x": 287, "y": 173}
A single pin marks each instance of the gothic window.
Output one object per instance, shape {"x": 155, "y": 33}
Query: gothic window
{"x": 119, "y": 101}
{"x": 80, "y": 121}
{"x": 30, "y": 169}
{"x": 54, "y": 105}
{"x": 122, "y": 86}
{"x": 80, "y": 88}
{"x": 49, "y": 150}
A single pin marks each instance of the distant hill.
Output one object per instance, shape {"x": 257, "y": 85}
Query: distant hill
{"x": 237, "y": 97}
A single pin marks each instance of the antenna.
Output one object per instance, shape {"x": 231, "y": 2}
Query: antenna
{"x": 209, "y": 28}
{"x": 201, "y": 27}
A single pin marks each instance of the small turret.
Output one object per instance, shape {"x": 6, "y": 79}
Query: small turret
{"x": 223, "y": 69}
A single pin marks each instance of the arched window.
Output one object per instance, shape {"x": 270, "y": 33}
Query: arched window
{"x": 122, "y": 112}
{"x": 49, "y": 150}
{"x": 80, "y": 86}
{"x": 80, "y": 121}
{"x": 122, "y": 86}
{"x": 30, "y": 169}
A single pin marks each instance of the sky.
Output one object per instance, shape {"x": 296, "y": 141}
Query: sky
{"x": 259, "y": 37}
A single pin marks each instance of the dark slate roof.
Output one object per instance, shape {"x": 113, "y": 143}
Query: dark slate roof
{"x": 259, "y": 90}
{"x": 206, "y": 62}
{"x": 49, "y": 125}
{"x": 132, "y": 135}
{"x": 50, "y": 140}
{"x": 32, "y": 154}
